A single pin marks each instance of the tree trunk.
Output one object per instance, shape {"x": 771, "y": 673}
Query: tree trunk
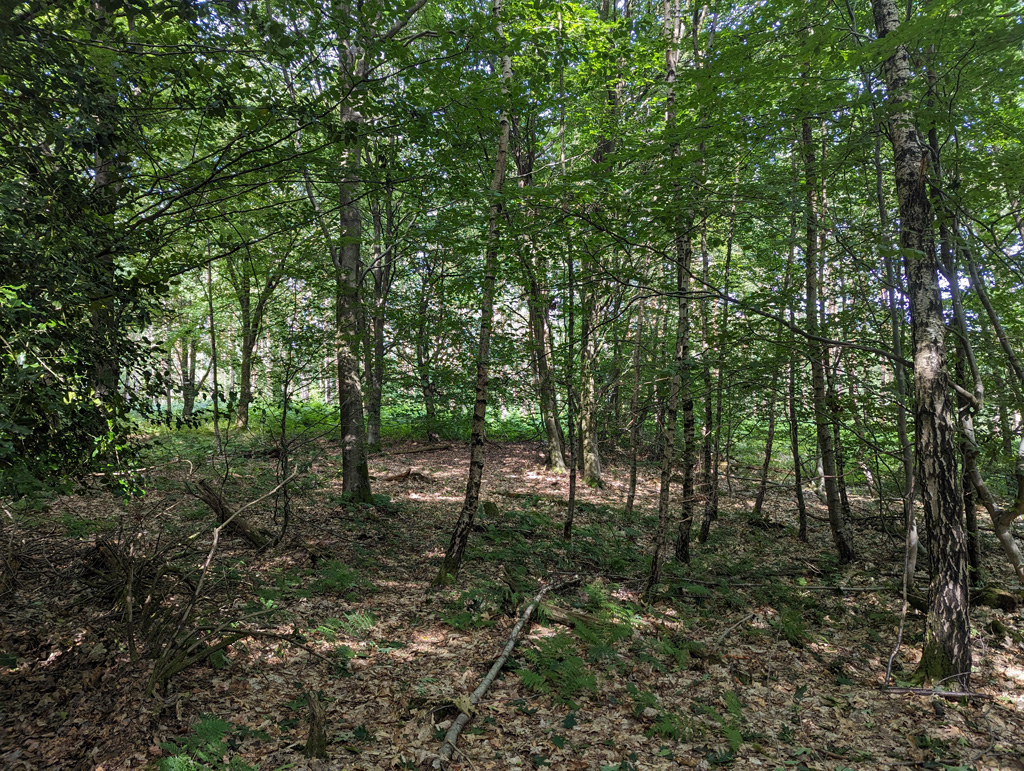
{"x": 348, "y": 266}
{"x": 634, "y": 411}
{"x": 684, "y": 259}
{"x": 899, "y": 371}
{"x": 683, "y": 253}
{"x": 711, "y": 501}
{"x": 668, "y": 445}
{"x": 383, "y": 264}
{"x": 816, "y": 353}
{"x": 768, "y": 446}
{"x": 424, "y": 355}
{"x": 590, "y": 453}
{"x": 460, "y": 536}
{"x": 542, "y": 357}
{"x": 794, "y": 444}
{"x": 947, "y": 650}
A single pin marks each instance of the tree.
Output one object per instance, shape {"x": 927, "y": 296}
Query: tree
{"x": 460, "y": 535}
{"x": 947, "y": 652}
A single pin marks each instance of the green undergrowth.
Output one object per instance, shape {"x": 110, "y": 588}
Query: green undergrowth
{"x": 211, "y": 745}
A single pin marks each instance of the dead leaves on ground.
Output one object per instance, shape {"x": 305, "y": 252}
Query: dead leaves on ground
{"x": 794, "y": 685}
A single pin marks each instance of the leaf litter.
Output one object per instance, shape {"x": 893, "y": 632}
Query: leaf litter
{"x": 761, "y": 654}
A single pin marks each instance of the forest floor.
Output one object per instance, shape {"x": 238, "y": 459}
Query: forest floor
{"x": 762, "y": 653}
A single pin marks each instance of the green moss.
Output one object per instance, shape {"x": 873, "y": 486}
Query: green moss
{"x": 935, "y": 665}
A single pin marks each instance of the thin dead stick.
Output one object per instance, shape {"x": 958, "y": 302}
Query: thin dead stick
{"x": 969, "y": 695}
{"x": 723, "y": 635}
{"x": 213, "y": 550}
{"x": 450, "y": 738}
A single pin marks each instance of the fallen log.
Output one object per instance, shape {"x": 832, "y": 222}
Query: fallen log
{"x": 409, "y": 473}
{"x": 235, "y": 523}
{"x": 551, "y": 497}
{"x": 466, "y": 705}
{"x": 434, "y": 448}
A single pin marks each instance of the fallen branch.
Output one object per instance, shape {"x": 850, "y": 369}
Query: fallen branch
{"x": 450, "y": 738}
{"x": 436, "y": 448}
{"x": 727, "y": 632}
{"x": 395, "y": 477}
{"x": 551, "y": 497}
{"x": 969, "y": 695}
{"x": 232, "y": 519}
{"x": 409, "y": 473}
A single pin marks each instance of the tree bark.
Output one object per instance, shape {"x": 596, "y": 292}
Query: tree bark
{"x": 590, "y": 453}
{"x": 460, "y": 536}
{"x": 947, "y": 650}
{"x": 634, "y": 411}
{"x": 769, "y": 443}
{"x": 688, "y": 461}
{"x": 542, "y": 355}
{"x": 346, "y": 256}
{"x": 816, "y": 353}
{"x": 381, "y": 275}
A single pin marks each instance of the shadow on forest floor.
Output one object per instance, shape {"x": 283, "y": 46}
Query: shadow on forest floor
{"x": 761, "y": 654}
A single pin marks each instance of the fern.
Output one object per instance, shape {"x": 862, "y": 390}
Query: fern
{"x": 793, "y": 627}
{"x": 204, "y": 748}
{"x": 357, "y": 624}
{"x": 733, "y": 705}
{"x": 671, "y": 726}
{"x": 644, "y": 699}
{"x": 677, "y": 651}
{"x": 733, "y": 736}
{"x": 335, "y": 577}
{"x": 558, "y": 669}
{"x": 535, "y": 681}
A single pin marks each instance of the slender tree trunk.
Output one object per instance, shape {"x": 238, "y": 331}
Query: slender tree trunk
{"x": 590, "y": 450}
{"x": 768, "y": 447}
{"x": 794, "y": 444}
{"x": 383, "y": 263}
{"x": 1002, "y": 519}
{"x": 423, "y": 355}
{"x": 348, "y": 266}
{"x": 711, "y": 502}
{"x": 684, "y": 258}
{"x": 460, "y": 536}
{"x": 542, "y": 357}
{"x": 667, "y": 446}
{"x": 248, "y": 341}
{"x": 570, "y": 398}
{"x": 833, "y": 398}
{"x": 900, "y": 374}
{"x": 840, "y": 534}
{"x": 707, "y": 430}
{"x": 213, "y": 357}
{"x": 683, "y": 247}
{"x": 947, "y": 650}
{"x": 634, "y": 411}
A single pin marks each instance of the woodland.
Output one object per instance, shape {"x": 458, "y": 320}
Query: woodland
{"x": 424, "y": 384}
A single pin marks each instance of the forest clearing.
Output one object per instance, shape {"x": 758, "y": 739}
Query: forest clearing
{"x": 763, "y": 653}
